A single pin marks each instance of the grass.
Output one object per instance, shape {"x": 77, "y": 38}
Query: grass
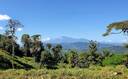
{"x": 20, "y": 62}
{"x": 94, "y": 72}
{"x": 114, "y": 71}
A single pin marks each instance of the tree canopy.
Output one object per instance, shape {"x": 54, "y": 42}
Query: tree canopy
{"x": 121, "y": 26}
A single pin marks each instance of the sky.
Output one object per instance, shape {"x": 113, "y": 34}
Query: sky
{"x": 74, "y": 18}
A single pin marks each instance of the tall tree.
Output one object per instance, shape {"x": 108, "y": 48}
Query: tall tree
{"x": 57, "y": 52}
{"x": 93, "y": 56}
{"x": 26, "y": 40}
{"x": 12, "y": 27}
{"x": 46, "y": 59}
{"x": 92, "y": 47}
{"x": 49, "y": 48}
{"x": 37, "y": 47}
{"x": 73, "y": 58}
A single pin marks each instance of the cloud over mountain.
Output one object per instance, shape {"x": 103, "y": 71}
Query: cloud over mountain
{"x": 19, "y": 29}
{"x": 1, "y": 28}
{"x": 46, "y": 39}
{"x": 4, "y": 17}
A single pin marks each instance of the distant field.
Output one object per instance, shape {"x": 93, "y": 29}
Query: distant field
{"x": 94, "y": 72}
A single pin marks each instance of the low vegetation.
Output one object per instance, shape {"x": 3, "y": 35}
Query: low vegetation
{"x": 93, "y": 72}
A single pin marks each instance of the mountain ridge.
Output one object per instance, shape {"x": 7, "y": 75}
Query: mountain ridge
{"x": 82, "y": 44}
{"x": 66, "y": 39}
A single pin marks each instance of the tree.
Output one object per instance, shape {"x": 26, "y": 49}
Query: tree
{"x": 92, "y": 47}
{"x": 26, "y": 40}
{"x": 57, "y": 53}
{"x": 93, "y": 56}
{"x": 73, "y": 58}
{"x": 121, "y": 26}
{"x": 37, "y": 47}
{"x": 83, "y": 60}
{"x": 7, "y": 44}
{"x": 48, "y": 46}
{"x": 2, "y": 41}
{"x": 106, "y": 53}
{"x": 51, "y": 56}
{"x": 12, "y": 27}
{"x": 46, "y": 59}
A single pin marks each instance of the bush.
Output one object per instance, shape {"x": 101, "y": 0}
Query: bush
{"x": 114, "y": 60}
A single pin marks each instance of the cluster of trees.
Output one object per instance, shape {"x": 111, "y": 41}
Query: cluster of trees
{"x": 31, "y": 45}
{"x": 48, "y": 55}
{"x": 90, "y": 57}
{"x": 8, "y": 41}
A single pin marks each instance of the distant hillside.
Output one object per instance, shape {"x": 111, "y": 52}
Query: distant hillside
{"x": 65, "y": 39}
{"x": 82, "y": 44}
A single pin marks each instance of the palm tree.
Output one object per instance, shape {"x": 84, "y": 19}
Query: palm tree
{"x": 26, "y": 40}
{"x": 37, "y": 47}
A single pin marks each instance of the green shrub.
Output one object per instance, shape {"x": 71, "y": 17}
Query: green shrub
{"x": 116, "y": 59}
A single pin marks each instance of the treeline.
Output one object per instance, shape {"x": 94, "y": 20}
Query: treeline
{"x": 50, "y": 56}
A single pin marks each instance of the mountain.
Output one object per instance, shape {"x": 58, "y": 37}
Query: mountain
{"x": 82, "y": 44}
{"x": 65, "y": 39}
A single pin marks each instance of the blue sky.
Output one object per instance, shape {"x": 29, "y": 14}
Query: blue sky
{"x": 75, "y": 18}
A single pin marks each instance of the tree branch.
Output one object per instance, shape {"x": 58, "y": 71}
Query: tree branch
{"x": 117, "y": 33}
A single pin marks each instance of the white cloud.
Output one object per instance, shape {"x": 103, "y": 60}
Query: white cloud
{"x": 46, "y": 39}
{"x": 1, "y": 28}
{"x": 19, "y": 29}
{"x": 109, "y": 40}
{"x": 4, "y": 17}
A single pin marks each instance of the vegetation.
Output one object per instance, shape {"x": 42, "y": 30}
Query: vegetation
{"x": 33, "y": 59}
{"x": 93, "y": 72}
{"x": 122, "y": 26}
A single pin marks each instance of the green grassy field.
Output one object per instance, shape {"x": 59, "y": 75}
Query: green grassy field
{"x": 63, "y": 72}
{"x": 94, "y": 72}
